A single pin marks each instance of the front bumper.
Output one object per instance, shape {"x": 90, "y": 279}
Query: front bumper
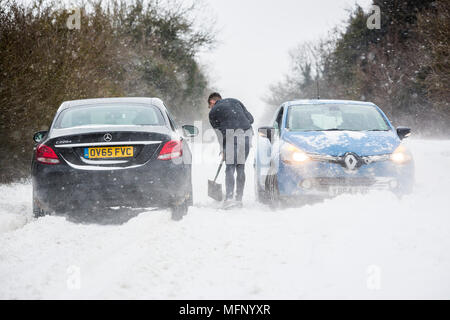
{"x": 324, "y": 179}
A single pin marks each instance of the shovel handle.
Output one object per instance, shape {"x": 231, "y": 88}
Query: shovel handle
{"x": 218, "y": 170}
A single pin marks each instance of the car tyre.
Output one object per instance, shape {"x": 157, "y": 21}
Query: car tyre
{"x": 178, "y": 211}
{"x": 272, "y": 191}
{"x": 38, "y": 211}
{"x": 260, "y": 194}
{"x": 402, "y": 191}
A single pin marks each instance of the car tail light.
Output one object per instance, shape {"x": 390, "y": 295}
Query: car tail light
{"x": 171, "y": 150}
{"x": 45, "y": 154}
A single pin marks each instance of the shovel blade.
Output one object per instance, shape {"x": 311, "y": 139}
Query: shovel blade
{"x": 215, "y": 190}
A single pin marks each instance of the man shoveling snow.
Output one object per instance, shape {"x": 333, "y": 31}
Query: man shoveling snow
{"x": 233, "y": 125}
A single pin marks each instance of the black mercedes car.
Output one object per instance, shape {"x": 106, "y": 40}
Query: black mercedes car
{"x": 112, "y": 152}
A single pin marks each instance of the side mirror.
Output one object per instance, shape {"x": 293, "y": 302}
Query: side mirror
{"x": 403, "y": 132}
{"x": 190, "y": 131}
{"x": 266, "y": 132}
{"x": 39, "y": 136}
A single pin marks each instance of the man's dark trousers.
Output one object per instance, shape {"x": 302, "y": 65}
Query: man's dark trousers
{"x": 235, "y": 156}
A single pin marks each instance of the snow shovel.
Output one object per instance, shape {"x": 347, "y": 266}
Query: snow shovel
{"x": 215, "y": 189}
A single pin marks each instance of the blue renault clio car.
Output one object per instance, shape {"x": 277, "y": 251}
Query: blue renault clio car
{"x": 323, "y": 148}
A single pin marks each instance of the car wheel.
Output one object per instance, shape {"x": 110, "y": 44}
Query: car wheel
{"x": 178, "y": 211}
{"x": 38, "y": 211}
{"x": 402, "y": 191}
{"x": 272, "y": 191}
{"x": 260, "y": 194}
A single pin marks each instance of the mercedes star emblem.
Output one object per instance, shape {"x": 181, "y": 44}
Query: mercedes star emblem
{"x": 107, "y": 137}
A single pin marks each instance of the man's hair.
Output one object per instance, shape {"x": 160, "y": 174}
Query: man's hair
{"x": 214, "y": 96}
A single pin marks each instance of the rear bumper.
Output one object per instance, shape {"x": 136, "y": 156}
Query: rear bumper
{"x": 330, "y": 179}
{"x": 156, "y": 184}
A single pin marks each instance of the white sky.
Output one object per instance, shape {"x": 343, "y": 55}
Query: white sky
{"x": 255, "y": 37}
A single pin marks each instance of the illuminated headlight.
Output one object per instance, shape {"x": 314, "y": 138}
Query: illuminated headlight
{"x": 400, "y": 155}
{"x": 291, "y": 153}
{"x": 299, "y": 157}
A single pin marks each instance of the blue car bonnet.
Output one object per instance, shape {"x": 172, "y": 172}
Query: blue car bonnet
{"x": 338, "y": 143}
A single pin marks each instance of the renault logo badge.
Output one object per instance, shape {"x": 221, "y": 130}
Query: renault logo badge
{"x": 107, "y": 137}
{"x": 350, "y": 161}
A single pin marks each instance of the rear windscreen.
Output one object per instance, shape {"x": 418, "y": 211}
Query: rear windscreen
{"x": 116, "y": 114}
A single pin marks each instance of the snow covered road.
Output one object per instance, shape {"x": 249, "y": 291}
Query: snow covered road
{"x": 353, "y": 246}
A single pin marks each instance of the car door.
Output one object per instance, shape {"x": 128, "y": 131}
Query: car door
{"x": 276, "y": 139}
{"x": 265, "y": 154}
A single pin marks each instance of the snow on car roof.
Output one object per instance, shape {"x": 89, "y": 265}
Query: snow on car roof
{"x": 319, "y": 101}
{"x": 153, "y": 101}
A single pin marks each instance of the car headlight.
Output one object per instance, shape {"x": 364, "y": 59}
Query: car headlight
{"x": 401, "y": 155}
{"x": 292, "y": 154}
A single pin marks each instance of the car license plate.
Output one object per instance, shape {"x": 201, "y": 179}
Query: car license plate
{"x": 337, "y": 190}
{"x": 108, "y": 152}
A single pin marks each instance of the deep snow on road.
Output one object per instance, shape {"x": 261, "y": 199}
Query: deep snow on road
{"x": 353, "y": 246}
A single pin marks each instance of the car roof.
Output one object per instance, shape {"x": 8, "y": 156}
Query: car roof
{"x": 74, "y": 103}
{"x": 319, "y": 101}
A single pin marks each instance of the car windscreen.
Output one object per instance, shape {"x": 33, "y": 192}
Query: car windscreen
{"x": 116, "y": 114}
{"x": 329, "y": 117}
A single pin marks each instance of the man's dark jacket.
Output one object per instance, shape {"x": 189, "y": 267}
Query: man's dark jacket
{"x": 230, "y": 114}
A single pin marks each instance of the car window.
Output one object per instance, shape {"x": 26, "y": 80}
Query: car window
{"x": 111, "y": 115}
{"x": 172, "y": 123}
{"x": 278, "y": 119}
{"x": 336, "y": 117}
